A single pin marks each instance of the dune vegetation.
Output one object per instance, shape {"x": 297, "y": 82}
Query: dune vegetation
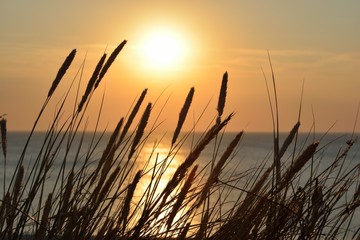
{"x": 94, "y": 197}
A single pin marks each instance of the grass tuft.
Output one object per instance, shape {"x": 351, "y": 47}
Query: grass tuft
{"x": 71, "y": 190}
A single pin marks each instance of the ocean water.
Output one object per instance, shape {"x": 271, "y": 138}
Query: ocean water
{"x": 255, "y": 152}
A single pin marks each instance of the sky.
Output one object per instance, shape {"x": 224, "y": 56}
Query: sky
{"x": 310, "y": 43}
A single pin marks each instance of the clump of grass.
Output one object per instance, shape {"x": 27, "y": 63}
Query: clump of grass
{"x": 102, "y": 197}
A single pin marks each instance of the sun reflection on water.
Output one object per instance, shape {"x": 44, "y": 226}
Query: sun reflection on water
{"x": 155, "y": 161}
{"x": 158, "y": 164}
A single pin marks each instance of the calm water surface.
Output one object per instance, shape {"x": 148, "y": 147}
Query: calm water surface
{"x": 255, "y": 149}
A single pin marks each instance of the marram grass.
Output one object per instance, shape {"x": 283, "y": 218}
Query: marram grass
{"x": 95, "y": 198}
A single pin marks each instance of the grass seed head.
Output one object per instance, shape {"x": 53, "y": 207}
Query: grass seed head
{"x": 182, "y": 115}
{"x": 298, "y": 164}
{"x": 91, "y": 82}
{"x": 109, "y": 62}
{"x": 289, "y": 139}
{"x": 140, "y": 129}
{"x": 132, "y": 115}
{"x": 3, "y": 135}
{"x": 62, "y": 71}
{"x": 222, "y": 96}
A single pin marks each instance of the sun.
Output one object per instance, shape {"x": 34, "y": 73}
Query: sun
{"x": 162, "y": 50}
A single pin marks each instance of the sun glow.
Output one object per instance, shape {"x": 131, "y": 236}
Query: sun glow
{"x": 162, "y": 50}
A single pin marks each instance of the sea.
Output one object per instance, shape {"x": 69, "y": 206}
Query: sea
{"x": 254, "y": 149}
{"x": 253, "y": 154}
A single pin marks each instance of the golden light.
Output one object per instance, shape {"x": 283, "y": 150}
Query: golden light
{"x": 162, "y": 49}
{"x": 159, "y": 167}
{"x": 156, "y": 158}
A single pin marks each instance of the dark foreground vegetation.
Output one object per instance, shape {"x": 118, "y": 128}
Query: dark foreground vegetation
{"x": 94, "y": 197}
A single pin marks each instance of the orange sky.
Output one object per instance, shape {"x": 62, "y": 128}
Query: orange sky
{"x": 316, "y": 42}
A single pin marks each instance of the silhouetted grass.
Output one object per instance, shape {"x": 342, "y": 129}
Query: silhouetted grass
{"x": 94, "y": 198}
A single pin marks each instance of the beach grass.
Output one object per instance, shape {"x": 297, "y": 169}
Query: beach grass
{"x": 94, "y": 196}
